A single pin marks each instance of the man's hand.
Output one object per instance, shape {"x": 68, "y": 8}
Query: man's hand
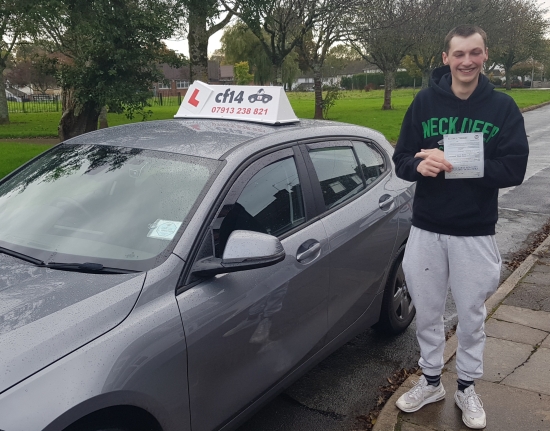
{"x": 433, "y": 162}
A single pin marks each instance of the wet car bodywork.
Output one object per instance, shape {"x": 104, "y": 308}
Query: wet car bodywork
{"x": 223, "y": 318}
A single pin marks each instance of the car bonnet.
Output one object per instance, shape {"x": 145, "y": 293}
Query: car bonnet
{"x": 46, "y": 314}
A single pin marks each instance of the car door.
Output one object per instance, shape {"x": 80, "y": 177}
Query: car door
{"x": 246, "y": 330}
{"x": 360, "y": 217}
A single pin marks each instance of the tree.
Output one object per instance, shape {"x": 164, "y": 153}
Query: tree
{"x": 279, "y": 25}
{"x": 32, "y": 68}
{"x": 242, "y": 76}
{"x": 521, "y": 35}
{"x": 16, "y": 20}
{"x": 523, "y": 69}
{"x": 432, "y": 23}
{"x": 545, "y": 60}
{"x": 291, "y": 69}
{"x": 240, "y": 44}
{"x": 100, "y": 62}
{"x": 204, "y": 19}
{"x": 219, "y": 56}
{"x": 435, "y": 18}
{"x": 339, "y": 56}
{"x": 314, "y": 49}
{"x": 381, "y": 34}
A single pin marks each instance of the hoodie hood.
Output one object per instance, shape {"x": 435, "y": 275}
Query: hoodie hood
{"x": 46, "y": 314}
{"x": 442, "y": 79}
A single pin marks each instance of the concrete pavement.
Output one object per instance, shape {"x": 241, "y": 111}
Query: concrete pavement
{"x": 515, "y": 388}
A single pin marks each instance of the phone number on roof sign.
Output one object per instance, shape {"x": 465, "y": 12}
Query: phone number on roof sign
{"x": 238, "y": 111}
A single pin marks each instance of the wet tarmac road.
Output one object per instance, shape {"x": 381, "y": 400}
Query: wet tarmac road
{"x": 344, "y": 386}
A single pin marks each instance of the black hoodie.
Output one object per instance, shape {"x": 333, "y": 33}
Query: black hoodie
{"x": 461, "y": 207}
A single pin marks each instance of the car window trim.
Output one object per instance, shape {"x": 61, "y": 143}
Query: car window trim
{"x": 377, "y": 148}
{"x": 322, "y": 211}
{"x": 334, "y": 144}
{"x": 231, "y": 192}
{"x": 329, "y": 144}
{"x": 242, "y": 180}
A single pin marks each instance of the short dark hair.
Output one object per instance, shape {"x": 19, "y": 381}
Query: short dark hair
{"x": 465, "y": 30}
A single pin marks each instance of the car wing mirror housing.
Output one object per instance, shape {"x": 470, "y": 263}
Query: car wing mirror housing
{"x": 244, "y": 250}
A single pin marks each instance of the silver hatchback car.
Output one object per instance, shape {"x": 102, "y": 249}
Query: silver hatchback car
{"x": 176, "y": 275}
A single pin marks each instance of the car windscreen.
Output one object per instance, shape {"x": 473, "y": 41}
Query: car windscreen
{"x": 120, "y": 207}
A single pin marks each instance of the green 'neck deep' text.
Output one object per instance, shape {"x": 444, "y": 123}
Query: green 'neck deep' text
{"x": 451, "y": 125}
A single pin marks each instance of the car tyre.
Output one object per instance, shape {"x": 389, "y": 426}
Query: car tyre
{"x": 397, "y": 310}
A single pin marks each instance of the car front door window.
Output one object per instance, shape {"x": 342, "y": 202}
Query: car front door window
{"x": 271, "y": 203}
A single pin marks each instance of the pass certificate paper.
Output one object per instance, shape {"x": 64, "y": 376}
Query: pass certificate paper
{"x": 465, "y": 152}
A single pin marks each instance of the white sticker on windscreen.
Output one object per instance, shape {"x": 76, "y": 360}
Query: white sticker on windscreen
{"x": 163, "y": 229}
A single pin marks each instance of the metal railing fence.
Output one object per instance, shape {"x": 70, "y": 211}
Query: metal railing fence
{"x": 54, "y": 104}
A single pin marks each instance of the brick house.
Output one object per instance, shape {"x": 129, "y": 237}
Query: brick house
{"x": 177, "y": 80}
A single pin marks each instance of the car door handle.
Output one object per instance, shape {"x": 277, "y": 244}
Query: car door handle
{"x": 311, "y": 250}
{"x": 385, "y": 201}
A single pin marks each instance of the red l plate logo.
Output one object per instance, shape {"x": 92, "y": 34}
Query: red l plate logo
{"x": 193, "y": 99}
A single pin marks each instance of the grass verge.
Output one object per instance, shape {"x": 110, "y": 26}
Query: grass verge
{"x": 356, "y": 107}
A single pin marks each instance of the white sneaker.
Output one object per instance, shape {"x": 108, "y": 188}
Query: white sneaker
{"x": 469, "y": 402}
{"x": 419, "y": 395}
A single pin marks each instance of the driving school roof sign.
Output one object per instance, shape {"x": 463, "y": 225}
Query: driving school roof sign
{"x": 237, "y": 102}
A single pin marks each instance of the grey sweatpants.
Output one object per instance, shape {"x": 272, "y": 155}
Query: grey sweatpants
{"x": 470, "y": 266}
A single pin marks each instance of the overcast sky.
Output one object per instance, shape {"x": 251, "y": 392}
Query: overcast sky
{"x": 214, "y": 41}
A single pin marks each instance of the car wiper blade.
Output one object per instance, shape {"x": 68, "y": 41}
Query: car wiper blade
{"x": 88, "y": 267}
{"x": 21, "y": 256}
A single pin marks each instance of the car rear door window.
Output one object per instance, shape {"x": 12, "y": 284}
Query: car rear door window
{"x": 371, "y": 160}
{"x": 338, "y": 173}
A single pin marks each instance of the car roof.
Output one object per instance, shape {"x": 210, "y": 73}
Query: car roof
{"x": 200, "y": 137}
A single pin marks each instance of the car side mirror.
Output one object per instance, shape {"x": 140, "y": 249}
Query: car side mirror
{"x": 244, "y": 250}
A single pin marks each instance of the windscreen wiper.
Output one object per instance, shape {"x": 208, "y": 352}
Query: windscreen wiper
{"x": 88, "y": 267}
{"x": 21, "y": 256}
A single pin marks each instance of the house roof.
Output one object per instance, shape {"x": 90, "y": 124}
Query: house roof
{"x": 16, "y": 92}
{"x": 172, "y": 73}
{"x": 358, "y": 66}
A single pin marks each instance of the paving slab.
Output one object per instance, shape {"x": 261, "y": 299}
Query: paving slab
{"x": 501, "y": 358}
{"x": 546, "y": 342}
{"x": 532, "y": 296}
{"x": 534, "y": 375}
{"x": 523, "y": 316}
{"x": 507, "y": 408}
{"x": 514, "y": 332}
{"x": 541, "y": 268}
{"x": 539, "y": 277}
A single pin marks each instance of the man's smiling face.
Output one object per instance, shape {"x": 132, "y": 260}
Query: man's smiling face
{"x": 466, "y": 57}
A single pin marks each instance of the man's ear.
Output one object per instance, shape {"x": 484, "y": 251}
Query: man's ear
{"x": 445, "y": 58}
{"x": 486, "y": 54}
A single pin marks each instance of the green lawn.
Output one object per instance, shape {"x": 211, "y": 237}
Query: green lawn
{"x": 363, "y": 108}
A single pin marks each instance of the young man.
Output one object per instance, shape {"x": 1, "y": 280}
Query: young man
{"x": 452, "y": 240}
